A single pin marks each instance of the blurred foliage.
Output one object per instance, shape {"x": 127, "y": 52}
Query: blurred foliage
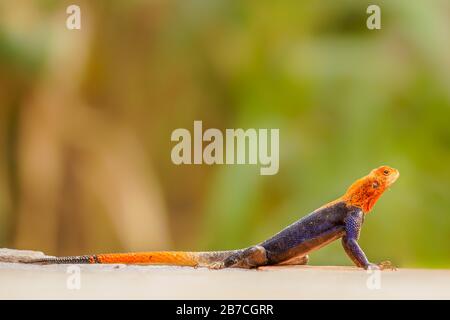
{"x": 86, "y": 118}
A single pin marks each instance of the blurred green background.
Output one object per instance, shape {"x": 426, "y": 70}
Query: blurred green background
{"x": 86, "y": 118}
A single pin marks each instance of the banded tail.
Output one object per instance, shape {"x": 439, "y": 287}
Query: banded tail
{"x": 176, "y": 258}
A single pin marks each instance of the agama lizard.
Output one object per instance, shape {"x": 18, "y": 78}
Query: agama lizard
{"x": 341, "y": 218}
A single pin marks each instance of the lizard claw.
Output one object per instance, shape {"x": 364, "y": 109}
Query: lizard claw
{"x": 387, "y": 265}
{"x": 216, "y": 265}
{"x": 384, "y": 265}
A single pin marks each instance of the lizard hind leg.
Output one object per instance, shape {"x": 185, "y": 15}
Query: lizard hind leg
{"x": 251, "y": 257}
{"x": 296, "y": 261}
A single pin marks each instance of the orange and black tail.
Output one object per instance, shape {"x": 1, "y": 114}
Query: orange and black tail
{"x": 177, "y": 258}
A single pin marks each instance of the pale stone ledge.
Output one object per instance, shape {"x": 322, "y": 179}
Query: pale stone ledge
{"x": 161, "y": 282}
{"x": 10, "y": 255}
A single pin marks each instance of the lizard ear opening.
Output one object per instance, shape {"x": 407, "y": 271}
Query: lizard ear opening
{"x": 375, "y": 185}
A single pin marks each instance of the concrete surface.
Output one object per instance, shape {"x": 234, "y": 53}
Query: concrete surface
{"x": 22, "y": 281}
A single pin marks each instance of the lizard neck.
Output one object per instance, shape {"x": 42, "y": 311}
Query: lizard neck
{"x": 360, "y": 200}
{"x": 361, "y": 194}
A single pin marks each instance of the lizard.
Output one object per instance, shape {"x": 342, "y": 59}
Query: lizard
{"x": 341, "y": 218}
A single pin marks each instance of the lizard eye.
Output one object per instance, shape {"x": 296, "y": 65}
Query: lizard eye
{"x": 386, "y": 172}
{"x": 375, "y": 185}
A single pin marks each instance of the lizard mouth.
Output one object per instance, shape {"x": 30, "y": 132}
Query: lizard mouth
{"x": 393, "y": 177}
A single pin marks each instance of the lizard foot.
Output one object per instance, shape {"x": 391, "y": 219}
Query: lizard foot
{"x": 216, "y": 265}
{"x": 387, "y": 265}
{"x": 251, "y": 257}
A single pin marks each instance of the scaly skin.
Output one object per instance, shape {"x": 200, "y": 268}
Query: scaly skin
{"x": 341, "y": 218}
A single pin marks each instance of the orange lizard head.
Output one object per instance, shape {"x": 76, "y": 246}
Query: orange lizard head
{"x": 365, "y": 192}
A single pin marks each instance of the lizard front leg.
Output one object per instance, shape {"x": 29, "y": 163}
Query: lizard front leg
{"x": 355, "y": 253}
{"x": 350, "y": 243}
